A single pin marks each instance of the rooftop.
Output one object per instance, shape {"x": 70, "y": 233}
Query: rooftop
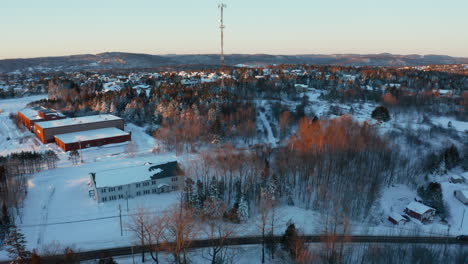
{"x": 134, "y": 174}
{"x": 30, "y": 113}
{"x": 418, "y": 207}
{"x": 91, "y": 135}
{"x": 78, "y": 121}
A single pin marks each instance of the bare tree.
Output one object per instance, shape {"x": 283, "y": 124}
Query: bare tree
{"x": 131, "y": 149}
{"x": 140, "y": 224}
{"x": 182, "y": 229}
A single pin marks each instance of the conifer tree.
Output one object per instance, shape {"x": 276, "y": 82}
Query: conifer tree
{"x": 16, "y": 246}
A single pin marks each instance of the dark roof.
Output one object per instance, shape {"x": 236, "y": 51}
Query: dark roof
{"x": 169, "y": 169}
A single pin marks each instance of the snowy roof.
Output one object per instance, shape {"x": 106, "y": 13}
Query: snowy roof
{"x": 465, "y": 193}
{"x": 123, "y": 176}
{"x": 397, "y": 217}
{"x": 78, "y": 121}
{"x": 91, "y": 135}
{"x": 418, "y": 207}
{"x": 31, "y": 114}
{"x": 133, "y": 174}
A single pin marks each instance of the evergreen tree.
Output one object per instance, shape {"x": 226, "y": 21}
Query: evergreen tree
{"x": 4, "y": 222}
{"x": 451, "y": 157}
{"x": 213, "y": 192}
{"x": 381, "y": 113}
{"x": 16, "y": 246}
{"x": 243, "y": 210}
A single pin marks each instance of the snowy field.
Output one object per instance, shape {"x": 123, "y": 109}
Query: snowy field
{"x": 58, "y": 207}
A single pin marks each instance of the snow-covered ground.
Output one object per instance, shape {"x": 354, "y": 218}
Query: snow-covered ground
{"x": 58, "y": 206}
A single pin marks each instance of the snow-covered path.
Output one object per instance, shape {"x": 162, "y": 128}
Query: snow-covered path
{"x": 266, "y": 125}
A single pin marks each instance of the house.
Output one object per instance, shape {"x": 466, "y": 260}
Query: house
{"x": 46, "y": 131}
{"x": 462, "y": 196}
{"x": 457, "y": 179}
{"x": 397, "y": 219}
{"x": 129, "y": 182}
{"x": 91, "y": 138}
{"x": 420, "y": 211}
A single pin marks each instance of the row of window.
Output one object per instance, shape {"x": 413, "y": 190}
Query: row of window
{"x": 147, "y": 183}
{"x": 112, "y": 197}
{"x": 111, "y": 189}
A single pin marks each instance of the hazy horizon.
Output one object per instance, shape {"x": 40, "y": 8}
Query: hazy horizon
{"x": 227, "y": 54}
{"x": 56, "y": 28}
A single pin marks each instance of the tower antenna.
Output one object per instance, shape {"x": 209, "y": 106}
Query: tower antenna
{"x": 221, "y": 6}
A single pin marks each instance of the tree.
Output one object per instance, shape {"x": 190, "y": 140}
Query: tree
{"x": 216, "y": 229}
{"x": 51, "y": 158}
{"x": 381, "y": 113}
{"x": 284, "y": 122}
{"x": 264, "y": 210}
{"x": 139, "y": 225}
{"x": 295, "y": 245}
{"x": 35, "y": 258}
{"x": 451, "y": 157}
{"x": 131, "y": 149}
{"x": 432, "y": 196}
{"x": 4, "y": 221}
{"x": 16, "y": 246}
{"x": 182, "y": 229}
{"x": 243, "y": 210}
{"x": 74, "y": 156}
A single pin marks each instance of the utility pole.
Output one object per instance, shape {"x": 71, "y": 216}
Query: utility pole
{"x": 81, "y": 152}
{"x": 120, "y": 217}
{"x": 221, "y": 26}
{"x": 463, "y": 218}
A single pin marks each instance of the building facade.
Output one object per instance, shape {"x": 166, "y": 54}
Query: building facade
{"x": 130, "y": 182}
{"x": 91, "y": 138}
{"x": 46, "y": 131}
{"x": 420, "y": 211}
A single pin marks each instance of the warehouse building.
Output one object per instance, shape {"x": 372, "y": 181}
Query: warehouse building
{"x": 30, "y": 116}
{"x": 46, "y": 131}
{"x": 129, "y": 182}
{"x": 91, "y": 138}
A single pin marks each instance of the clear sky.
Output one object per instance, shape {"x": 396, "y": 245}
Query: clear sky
{"x": 34, "y": 28}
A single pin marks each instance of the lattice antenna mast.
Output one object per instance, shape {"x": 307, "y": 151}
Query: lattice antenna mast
{"x": 221, "y": 26}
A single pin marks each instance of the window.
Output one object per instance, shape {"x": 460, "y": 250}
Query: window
{"x": 103, "y": 190}
{"x": 104, "y": 199}
{"x": 120, "y": 196}
{"x": 111, "y": 189}
{"x": 154, "y": 191}
{"x": 138, "y": 193}
{"x": 153, "y": 182}
{"x": 174, "y": 179}
{"x": 146, "y": 184}
{"x": 119, "y": 188}
{"x": 146, "y": 191}
{"x": 138, "y": 185}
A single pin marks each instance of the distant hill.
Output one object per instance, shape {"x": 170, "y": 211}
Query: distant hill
{"x": 120, "y": 60}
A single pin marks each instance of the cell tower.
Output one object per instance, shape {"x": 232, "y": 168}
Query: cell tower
{"x": 221, "y": 26}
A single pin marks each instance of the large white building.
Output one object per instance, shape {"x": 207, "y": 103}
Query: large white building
{"x": 129, "y": 182}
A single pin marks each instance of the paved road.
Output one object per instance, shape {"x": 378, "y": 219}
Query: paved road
{"x": 121, "y": 251}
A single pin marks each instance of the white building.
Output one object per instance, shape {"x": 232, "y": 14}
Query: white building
{"x": 129, "y": 182}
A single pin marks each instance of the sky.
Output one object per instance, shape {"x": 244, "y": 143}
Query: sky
{"x": 37, "y": 28}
